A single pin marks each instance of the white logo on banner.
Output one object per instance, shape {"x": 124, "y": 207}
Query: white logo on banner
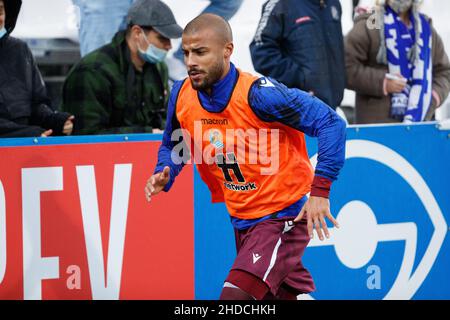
{"x": 358, "y": 222}
{"x": 37, "y": 268}
{"x": 105, "y": 287}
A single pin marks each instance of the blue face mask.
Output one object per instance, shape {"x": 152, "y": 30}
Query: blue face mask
{"x": 152, "y": 54}
{"x": 2, "y": 32}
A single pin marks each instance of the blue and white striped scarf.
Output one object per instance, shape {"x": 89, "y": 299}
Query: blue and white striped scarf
{"x": 413, "y": 103}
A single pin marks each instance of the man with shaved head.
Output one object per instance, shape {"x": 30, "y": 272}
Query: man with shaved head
{"x": 270, "y": 211}
{"x": 223, "y": 8}
{"x": 211, "y": 36}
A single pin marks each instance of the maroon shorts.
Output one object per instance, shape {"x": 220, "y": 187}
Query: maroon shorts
{"x": 271, "y": 251}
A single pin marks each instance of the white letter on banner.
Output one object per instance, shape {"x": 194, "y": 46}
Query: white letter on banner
{"x": 36, "y": 268}
{"x": 2, "y": 233}
{"x": 91, "y": 223}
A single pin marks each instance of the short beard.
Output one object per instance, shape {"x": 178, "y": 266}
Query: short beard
{"x": 210, "y": 79}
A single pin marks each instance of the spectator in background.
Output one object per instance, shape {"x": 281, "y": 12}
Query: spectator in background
{"x": 397, "y": 64}
{"x": 300, "y": 43}
{"x": 99, "y": 21}
{"x": 24, "y": 106}
{"x": 123, "y": 86}
{"x": 361, "y": 7}
{"x": 223, "y": 8}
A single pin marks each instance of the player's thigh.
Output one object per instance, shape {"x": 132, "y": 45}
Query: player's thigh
{"x": 271, "y": 251}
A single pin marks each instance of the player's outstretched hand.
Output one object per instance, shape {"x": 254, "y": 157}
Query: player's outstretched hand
{"x": 156, "y": 183}
{"x": 316, "y": 210}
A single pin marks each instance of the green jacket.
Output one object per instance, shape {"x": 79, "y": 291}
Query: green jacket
{"x": 107, "y": 95}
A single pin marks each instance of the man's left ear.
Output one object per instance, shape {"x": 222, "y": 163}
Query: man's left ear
{"x": 229, "y": 50}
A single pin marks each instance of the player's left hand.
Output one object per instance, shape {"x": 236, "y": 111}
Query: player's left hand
{"x": 317, "y": 209}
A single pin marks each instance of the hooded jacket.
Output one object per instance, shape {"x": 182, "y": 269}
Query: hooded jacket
{"x": 24, "y": 105}
{"x": 300, "y": 44}
{"x": 12, "y": 9}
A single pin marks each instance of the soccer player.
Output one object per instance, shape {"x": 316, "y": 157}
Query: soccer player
{"x": 272, "y": 216}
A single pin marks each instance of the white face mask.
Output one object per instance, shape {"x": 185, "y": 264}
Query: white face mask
{"x": 400, "y": 6}
{"x": 152, "y": 54}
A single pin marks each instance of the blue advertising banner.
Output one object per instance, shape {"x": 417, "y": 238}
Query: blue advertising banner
{"x": 393, "y": 205}
{"x": 391, "y": 201}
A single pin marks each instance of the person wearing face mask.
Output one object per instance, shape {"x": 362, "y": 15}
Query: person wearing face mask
{"x": 396, "y": 63}
{"x": 122, "y": 87}
{"x": 25, "y": 109}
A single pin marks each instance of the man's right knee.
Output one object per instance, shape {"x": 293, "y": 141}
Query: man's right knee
{"x": 232, "y": 292}
{"x": 239, "y": 282}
